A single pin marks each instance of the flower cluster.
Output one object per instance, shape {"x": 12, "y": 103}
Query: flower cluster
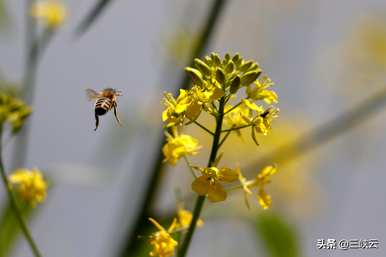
{"x": 29, "y": 185}
{"x": 162, "y": 241}
{"x": 51, "y": 13}
{"x": 234, "y": 92}
{"x": 13, "y": 111}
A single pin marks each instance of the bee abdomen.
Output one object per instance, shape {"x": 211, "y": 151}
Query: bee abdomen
{"x": 102, "y": 106}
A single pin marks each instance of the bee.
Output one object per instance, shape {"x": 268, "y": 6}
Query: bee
{"x": 105, "y": 100}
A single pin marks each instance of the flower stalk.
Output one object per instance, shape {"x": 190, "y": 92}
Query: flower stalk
{"x": 15, "y": 207}
{"x": 201, "y": 198}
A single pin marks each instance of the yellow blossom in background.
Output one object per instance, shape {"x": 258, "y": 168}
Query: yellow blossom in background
{"x": 29, "y": 185}
{"x": 184, "y": 217}
{"x": 13, "y": 111}
{"x": 162, "y": 242}
{"x": 51, "y": 12}
{"x": 209, "y": 183}
{"x": 178, "y": 146}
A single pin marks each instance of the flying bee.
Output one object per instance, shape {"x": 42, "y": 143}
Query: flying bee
{"x": 105, "y": 100}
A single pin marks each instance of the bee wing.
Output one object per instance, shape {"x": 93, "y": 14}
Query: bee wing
{"x": 91, "y": 94}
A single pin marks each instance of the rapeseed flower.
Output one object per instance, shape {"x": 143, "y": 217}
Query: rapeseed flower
{"x": 209, "y": 183}
{"x": 162, "y": 241}
{"x": 262, "y": 179}
{"x": 184, "y": 217}
{"x": 178, "y": 146}
{"x": 216, "y": 85}
{"x": 13, "y": 111}
{"x": 29, "y": 185}
{"x": 51, "y": 12}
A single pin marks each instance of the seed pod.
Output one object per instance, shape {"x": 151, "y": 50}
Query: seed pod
{"x": 245, "y": 66}
{"x": 202, "y": 67}
{"x": 249, "y": 77}
{"x": 216, "y": 59}
{"x": 196, "y": 76}
{"x": 237, "y": 60}
{"x": 220, "y": 76}
{"x": 235, "y": 84}
{"x": 230, "y": 67}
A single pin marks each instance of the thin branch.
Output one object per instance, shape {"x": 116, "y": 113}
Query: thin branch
{"x": 231, "y": 109}
{"x": 15, "y": 207}
{"x": 203, "y": 127}
{"x": 236, "y": 128}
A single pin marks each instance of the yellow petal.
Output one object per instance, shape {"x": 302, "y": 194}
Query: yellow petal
{"x": 201, "y": 185}
{"x": 193, "y": 110}
{"x": 264, "y": 199}
{"x": 266, "y": 173}
{"x": 216, "y": 193}
{"x": 228, "y": 175}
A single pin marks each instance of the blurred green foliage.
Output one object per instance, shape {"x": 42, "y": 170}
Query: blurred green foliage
{"x": 92, "y": 16}
{"x": 277, "y": 235}
{"x": 10, "y": 227}
{"x": 4, "y": 16}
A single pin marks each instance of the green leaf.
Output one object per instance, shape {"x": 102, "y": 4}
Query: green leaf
{"x": 278, "y": 236}
{"x": 92, "y": 16}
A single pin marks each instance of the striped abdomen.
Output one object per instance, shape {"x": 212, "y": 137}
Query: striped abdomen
{"x": 103, "y": 105}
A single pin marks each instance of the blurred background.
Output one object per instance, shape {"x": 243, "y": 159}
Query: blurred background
{"x": 324, "y": 57}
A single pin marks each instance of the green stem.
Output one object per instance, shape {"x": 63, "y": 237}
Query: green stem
{"x": 35, "y": 47}
{"x": 131, "y": 244}
{"x": 236, "y": 128}
{"x": 201, "y": 199}
{"x": 203, "y": 127}
{"x": 15, "y": 207}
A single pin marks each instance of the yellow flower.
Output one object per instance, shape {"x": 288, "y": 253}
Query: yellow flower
{"x": 51, "y": 12}
{"x": 178, "y": 146}
{"x": 162, "y": 242}
{"x": 245, "y": 186}
{"x": 13, "y": 111}
{"x": 29, "y": 185}
{"x": 238, "y": 117}
{"x": 209, "y": 182}
{"x": 184, "y": 217}
{"x": 262, "y": 122}
{"x": 259, "y": 91}
{"x": 262, "y": 179}
{"x": 177, "y": 109}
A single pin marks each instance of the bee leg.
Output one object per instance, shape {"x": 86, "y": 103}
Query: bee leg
{"x": 116, "y": 115}
{"x": 96, "y": 122}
